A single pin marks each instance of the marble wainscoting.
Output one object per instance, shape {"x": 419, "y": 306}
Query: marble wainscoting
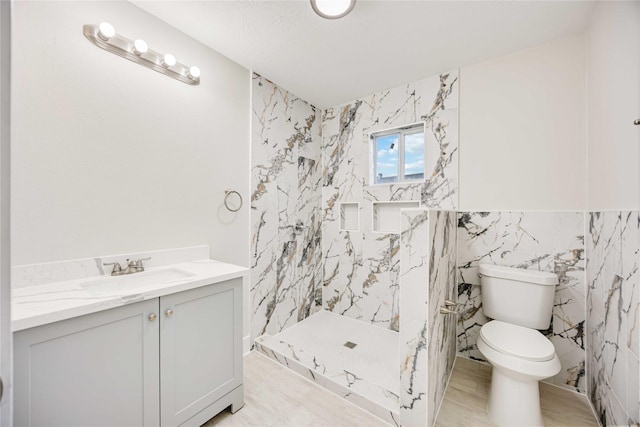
{"x": 427, "y": 337}
{"x": 613, "y": 315}
{"x": 286, "y": 255}
{"x": 361, "y": 267}
{"x": 545, "y": 241}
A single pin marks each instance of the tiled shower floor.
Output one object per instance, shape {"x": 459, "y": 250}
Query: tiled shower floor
{"x": 368, "y": 374}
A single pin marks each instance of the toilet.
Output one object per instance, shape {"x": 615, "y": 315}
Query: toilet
{"x": 520, "y": 303}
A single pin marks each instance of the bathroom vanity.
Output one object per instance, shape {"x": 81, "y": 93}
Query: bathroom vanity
{"x": 163, "y": 349}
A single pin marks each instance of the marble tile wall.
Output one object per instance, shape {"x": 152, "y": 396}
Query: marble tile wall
{"x": 545, "y": 241}
{"x": 442, "y": 286}
{"x": 427, "y": 337}
{"x": 613, "y": 315}
{"x": 414, "y": 323}
{"x": 361, "y": 268}
{"x": 286, "y": 255}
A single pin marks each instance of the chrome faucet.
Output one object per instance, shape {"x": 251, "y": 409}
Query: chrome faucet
{"x": 133, "y": 266}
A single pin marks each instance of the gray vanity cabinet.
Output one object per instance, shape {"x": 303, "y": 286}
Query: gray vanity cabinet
{"x": 96, "y": 370}
{"x": 169, "y": 361}
{"x": 201, "y": 349}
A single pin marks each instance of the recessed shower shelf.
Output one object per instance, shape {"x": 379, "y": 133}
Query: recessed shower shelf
{"x": 386, "y": 215}
{"x": 349, "y": 216}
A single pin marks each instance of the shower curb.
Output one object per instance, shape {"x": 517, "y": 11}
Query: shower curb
{"x": 267, "y": 344}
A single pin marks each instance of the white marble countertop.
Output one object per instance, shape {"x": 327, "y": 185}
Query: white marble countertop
{"x": 38, "y": 305}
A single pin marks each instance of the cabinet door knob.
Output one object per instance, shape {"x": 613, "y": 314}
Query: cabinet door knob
{"x": 152, "y": 317}
{"x": 636, "y": 122}
{"x": 169, "y": 313}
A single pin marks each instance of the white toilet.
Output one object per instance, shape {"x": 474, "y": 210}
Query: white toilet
{"x": 520, "y": 302}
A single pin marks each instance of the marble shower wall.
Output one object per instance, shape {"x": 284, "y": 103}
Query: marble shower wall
{"x": 286, "y": 255}
{"x": 427, "y": 337}
{"x": 613, "y": 316}
{"x": 442, "y": 286}
{"x": 545, "y": 241}
{"x": 361, "y": 268}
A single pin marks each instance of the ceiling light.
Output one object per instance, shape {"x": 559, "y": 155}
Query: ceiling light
{"x": 106, "y": 31}
{"x": 140, "y": 47}
{"x": 332, "y": 9}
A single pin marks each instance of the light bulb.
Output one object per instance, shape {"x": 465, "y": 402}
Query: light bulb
{"x": 106, "y": 31}
{"x": 168, "y": 60}
{"x": 194, "y": 72}
{"x": 140, "y": 47}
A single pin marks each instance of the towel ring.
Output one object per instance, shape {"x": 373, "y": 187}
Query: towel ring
{"x": 228, "y": 193}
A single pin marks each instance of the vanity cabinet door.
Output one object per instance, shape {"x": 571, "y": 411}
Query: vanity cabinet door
{"x": 201, "y": 351}
{"x": 95, "y": 370}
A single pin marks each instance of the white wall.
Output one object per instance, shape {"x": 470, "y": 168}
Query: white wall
{"x": 111, "y": 157}
{"x": 613, "y": 74}
{"x": 522, "y": 130}
{"x": 6, "y": 342}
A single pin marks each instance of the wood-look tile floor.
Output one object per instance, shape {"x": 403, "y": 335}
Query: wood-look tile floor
{"x": 276, "y": 396}
{"x": 465, "y": 401}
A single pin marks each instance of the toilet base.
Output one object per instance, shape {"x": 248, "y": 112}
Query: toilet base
{"x": 513, "y": 402}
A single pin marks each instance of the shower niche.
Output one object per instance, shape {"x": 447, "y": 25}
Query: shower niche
{"x": 349, "y": 216}
{"x": 386, "y": 215}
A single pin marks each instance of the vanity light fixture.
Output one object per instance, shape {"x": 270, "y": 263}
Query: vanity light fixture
{"x": 332, "y": 9}
{"x": 105, "y": 37}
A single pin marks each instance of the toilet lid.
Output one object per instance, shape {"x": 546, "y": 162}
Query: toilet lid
{"x": 517, "y": 341}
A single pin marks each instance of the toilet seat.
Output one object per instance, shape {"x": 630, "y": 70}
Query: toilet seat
{"x": 517, "y": 341}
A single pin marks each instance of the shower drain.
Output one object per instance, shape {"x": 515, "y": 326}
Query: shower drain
{"x": 350, "y": 344}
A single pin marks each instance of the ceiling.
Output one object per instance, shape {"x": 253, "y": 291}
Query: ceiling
{"x": 380, "y": 45}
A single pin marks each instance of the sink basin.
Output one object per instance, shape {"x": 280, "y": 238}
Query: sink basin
{"x": 116, "y": 284}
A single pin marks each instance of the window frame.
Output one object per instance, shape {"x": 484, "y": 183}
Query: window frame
{"x": 402, "y": 132}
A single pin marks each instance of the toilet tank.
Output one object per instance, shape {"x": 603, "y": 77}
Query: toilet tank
{"x": 518, "y": 296}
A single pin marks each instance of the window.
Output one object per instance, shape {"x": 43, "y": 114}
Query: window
{"x": 398, "y": 155}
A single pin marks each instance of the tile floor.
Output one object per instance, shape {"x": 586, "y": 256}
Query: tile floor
{"x": 465, "y": 400}
{"x": 276, "y": 396}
